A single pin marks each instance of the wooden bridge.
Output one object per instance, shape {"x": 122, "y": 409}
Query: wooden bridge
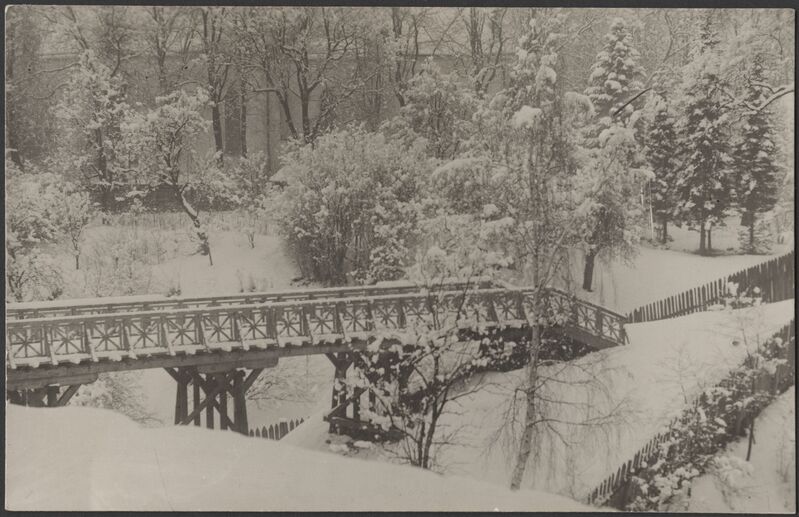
{"x": 219, "y": 345}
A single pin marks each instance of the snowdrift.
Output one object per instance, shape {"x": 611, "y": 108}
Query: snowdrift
{"x": 89, "y": 459}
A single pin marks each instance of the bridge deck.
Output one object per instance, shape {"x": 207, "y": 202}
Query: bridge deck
{"x": 56, "y": 308}
{"x": 39, "y": 350}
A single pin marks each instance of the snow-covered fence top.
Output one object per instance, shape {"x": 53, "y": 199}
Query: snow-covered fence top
{"x": 39, "y": 349}
{"x": 144, "y": 303}
{"x": 276, "y": 431}
{"x": 773, "y": 278}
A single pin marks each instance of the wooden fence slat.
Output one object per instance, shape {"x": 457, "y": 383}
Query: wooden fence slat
{"x": 774, "y": 277}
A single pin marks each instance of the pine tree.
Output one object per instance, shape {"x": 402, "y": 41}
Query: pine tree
{"x": 615, "y": 75}
{"x": 705, "y": 186}
{"x": 614, "y": 80}
{"x": 756, "y": 173}
{"x": 661, "y": 152}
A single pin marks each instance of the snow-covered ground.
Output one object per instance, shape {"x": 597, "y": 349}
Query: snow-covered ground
{"x": 83, "y": 459}
{"x": 766, "y": 483}
{"x": 236, "y": 267}
{"x": 654, "y": 274}
{"x": 644, "y": 384}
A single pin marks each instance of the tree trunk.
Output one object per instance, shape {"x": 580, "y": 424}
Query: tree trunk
{"x": 216, "y": 121}
{"x": 525, "y": 447}
{"x": 270, "y": 160}
{"x": 10, "y": 122}
{"x": 106, "y": 196}
{"x": 702, "y": 238}
{"x": 77, "y": 261}
{"x": 205, "y": 246}
{"x": 103, "y": 172}
{"x": 588, "y": 271}
{"x": 752, "y": 234}
{"x": 243, "y": 121}
{"x": 306, "y": 118}
{"x": 709, "y": 241}
{"x": 664, "y": 234}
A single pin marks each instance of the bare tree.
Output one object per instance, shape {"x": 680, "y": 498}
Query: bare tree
{"x": 301, "y": 55}
{"x": 169, "y": 34}
{"x": 212, "y": 28}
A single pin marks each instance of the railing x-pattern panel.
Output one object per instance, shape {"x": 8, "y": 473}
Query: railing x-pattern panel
{"x": 112, "y": 337}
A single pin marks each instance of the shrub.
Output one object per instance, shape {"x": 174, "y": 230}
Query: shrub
{"x": 350, "y": 207}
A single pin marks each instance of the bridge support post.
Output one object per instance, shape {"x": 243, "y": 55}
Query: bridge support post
{"x": 341, "y": 362}
{"x": 210, "y": 392}
{"x": 182, "y": 396}
{"x": 48, "y": 396}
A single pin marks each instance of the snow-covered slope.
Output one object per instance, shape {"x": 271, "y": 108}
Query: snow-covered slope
{"x": 644, "y": 384}
{"x": 766, "y": 483}
{"x": 88, "y": 459}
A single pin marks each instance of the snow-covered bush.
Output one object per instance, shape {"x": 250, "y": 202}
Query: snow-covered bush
{"x": 33, "y": 277}
{"x": 31, "y": 222}
{"x": 74, "y": 212}
{"x": 350, "y": 207}
{"x": 117, "y": 265}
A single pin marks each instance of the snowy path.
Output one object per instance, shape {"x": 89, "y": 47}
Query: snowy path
{"x": 88, "y": 459}
{"x": 666, "y": 363}
{"x": 767, "y": 483}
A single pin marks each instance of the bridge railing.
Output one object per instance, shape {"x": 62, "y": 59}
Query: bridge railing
{"x": 27, "y": 310}
{"x": 94, "y": 337}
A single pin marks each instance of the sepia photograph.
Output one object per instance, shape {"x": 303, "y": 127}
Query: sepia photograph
{"x": 399, "y": 258}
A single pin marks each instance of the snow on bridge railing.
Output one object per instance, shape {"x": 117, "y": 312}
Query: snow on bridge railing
{"x": 46, "y": 309}
{"x": 95, "y": 337}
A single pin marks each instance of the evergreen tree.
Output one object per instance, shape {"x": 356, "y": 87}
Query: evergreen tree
{"x": 661, "y": 152}
{"x": 615, "y": 75}
{"x": 615, "y": 154}
{"x": 756, "y": 173}
{"x": 705, "y": 185}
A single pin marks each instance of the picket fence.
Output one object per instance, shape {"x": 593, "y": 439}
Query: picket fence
{"x": 775, "y": 278}
{"x": 276, "y": 431}
{"x": 610, "y": 492}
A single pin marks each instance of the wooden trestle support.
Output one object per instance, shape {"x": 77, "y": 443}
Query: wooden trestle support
{"x": 49, "y": 396}
{"x": 345, "y": 415}
{"x": 209, "y": 393}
